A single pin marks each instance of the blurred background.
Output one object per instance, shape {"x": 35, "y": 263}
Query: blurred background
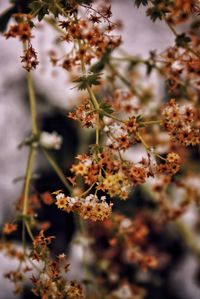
{"x": 55, "y": 97}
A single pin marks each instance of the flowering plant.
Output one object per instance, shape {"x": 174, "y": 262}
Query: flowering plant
{"x": 116, "y": 108}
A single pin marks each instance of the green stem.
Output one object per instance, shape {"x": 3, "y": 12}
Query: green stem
{"x": 93, "y": 98}
{"x": 83, "y": 68}
{"x": 35, "y": 130}
{"x": 61, "y": 10}
{"x": 29, "y": 231}
{"x": 189, "y": 237}
{"x": 150, "y": 122}
{"x": 97, "y": 130}
{"x": 57, "y": 170}
{"x": 87, "y": 191}
{"x": 113, "y": 117}
{"x": 171, "y": 27}
{"x": 24, "y": 236}
{"x": 143, "y": 142}
{"x": 52, "y": 23}
{"x": 147, "y": 147}
{"x": 33, "y": 264}
{"x": 124, "y": 80}
{"x": 28, "y": 175}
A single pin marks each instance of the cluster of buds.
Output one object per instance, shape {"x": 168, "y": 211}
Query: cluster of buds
{"x": 90, "y": 207}
{"x": 85, "y": 114}
{"x": 29, "y": 59}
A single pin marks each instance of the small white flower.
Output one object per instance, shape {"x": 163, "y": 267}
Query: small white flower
{"x": 126, "y": 223}
{"x": 103, "y": 198}
{"x": 177, "y": 66}
{"x": 60, "y": 195}
{"x": 106, "y": 129}
{"x": 117, "y": 130}
{"x": 51, "y": 140}
{"x": 44, "y": 277}
{"x": 87, "y": 162}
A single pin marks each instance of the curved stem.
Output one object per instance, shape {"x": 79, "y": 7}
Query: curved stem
{"x": 29, "y": 231}
{"x": 30, "y": 162}
{"x": 147, "y": 147}
{"x": 57, "y": 170}
{"x": 88, "y": 190}
{"x": 93, "y": 98}
{"x": 113, "y": 117}
{"x": 28, "y": 179}
{"x": 124, "y": 80}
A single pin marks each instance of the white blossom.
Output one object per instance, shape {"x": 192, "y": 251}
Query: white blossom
{"x": 51, "y": 140}
{"x": 60, "y": 195}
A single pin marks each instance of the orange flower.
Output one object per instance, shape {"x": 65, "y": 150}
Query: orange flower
{"x": 9, "y": 228}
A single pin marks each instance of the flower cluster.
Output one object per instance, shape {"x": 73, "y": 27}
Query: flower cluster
{"x": 171, "y": 165}
{"x": 51, "y": 283}
{"x": 121, "y": 135}
{"x": 85, "y": 114}
{"x": 90, "y": 207}
{"x": 94, "y": 39}
{"x": 115, "y": 175}
{"x": 23, "y": 31}
{"x": 118, "y": 103}
{"x": 122, "y": 242}
{"x": 182, "y": 123}
{"x": 181, "y": 10}
{"x": 123, "y": 101}
{"x": 29, "y": 59}
{"x": 9, "y": 228}
{"x": 181, "y": 67}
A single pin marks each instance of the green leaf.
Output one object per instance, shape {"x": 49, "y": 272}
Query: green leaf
{"x": 106, "y": 107}
{"x": 182, "y": 40}
{"x": 154, "y": 13}
{"x": 99, "y": 66}
{"x": 40, "y": 8}
{"x": 141, "y": 2}
{"x": 85, "y": 81}
{"x": 139, "y": 118}
{"x": 5, "y": 17}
